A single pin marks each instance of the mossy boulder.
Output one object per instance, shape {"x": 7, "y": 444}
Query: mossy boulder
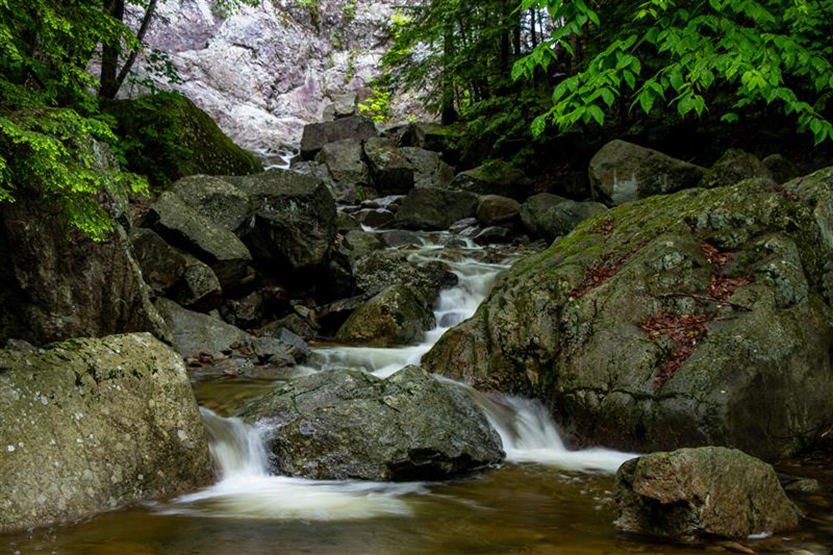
{"x": 495, "y": 209}
{"x": 396, "y": 316}
{"x": 432, "y": 208}
{"x": 95, "y": 424}
{"x": 692, "y": 494}
{"x": 494, "y": 178}
{"x": 169, "y": 137}
{"x": 623, "y": 172}
{"x": 378, "y": 270}
{"x": 216, "y": 199}
{"x": 346, "y": 424}
{"x": 549, "y": 216}
{"x": 735, "y": 165}
{"x": 781, "y": 168}
{"x": 673, "y": 321}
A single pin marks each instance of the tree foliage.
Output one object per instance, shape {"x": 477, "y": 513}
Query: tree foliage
{"x": 731, "y": 56}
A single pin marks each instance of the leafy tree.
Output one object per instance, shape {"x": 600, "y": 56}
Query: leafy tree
{"x": 730, "y": 56}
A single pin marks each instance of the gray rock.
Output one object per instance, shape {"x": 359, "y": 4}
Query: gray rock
{"x": 429, "y": 208}
{"x": 396, "y": 316}
{"x": 497, "y": 178}
{"x": 734, "y": 166}
{"x": 347, "y": 173}
{"x": 401, "y": 238}
{"x": 181, "y": 226}
{"x": 295, "y": 220}
{"x": 294, "y": 323}
{"x": 392, "y": 172}
{"x": 92, "y": 425}
{"x": 346, "y": 222}
{"x": 195, "y": 333}
{"x": 360, "y": 242}
{"x": 198, "y": 285}
{"x": 462, "y": 225}
{"x": 374, "y": 217}
{"x": 781, "y": 169}
{"x": 316, "y": 135}
{"x": 495, "y": 209}
{"x": 216, "y": 199}
{"x": 377, "y": 270}
{"x": 494, "y": 235}
{"x": 549, "y": 216}
{"x": 52, "y": 288}
{"x": 246, "y": 312}
{"x": 432, "y": 136}
{"x": 694, "y": 493}
{"x": 624, "y": 172}
{"x": 429, "y": 168}
{"x": 349, "y": 425}
{"x": 344, "y": 105}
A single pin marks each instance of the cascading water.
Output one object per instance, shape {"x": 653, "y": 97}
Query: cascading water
{"x": 250, "y": 490}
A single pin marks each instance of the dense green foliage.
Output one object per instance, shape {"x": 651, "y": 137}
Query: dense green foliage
{"x": 625, "y": 66}
{"x": 52, "y": 130}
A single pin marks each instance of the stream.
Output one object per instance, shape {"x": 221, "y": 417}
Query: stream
{"x": 545, "y": 499}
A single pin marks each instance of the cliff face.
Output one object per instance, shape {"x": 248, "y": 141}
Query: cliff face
{"x": 264, "y": 72}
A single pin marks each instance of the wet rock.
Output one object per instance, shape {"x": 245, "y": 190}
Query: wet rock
{"x": 378, "y": 217}
{"x": 316, "y": 135}
{"x": 803, "y": 485}
{"x": 198, "y": 286}
{"x": 18, "y": 345}
{"x": 429, "y": 168}
{"x": 331, "y": 316}
{"x": 91, "y": 425}
{"x": 347, "y": 424}
{"x": 694, "y": 493}
{"x": 633, "y": 327}
{"x": 392, "y": 172}
{"x": 294, "y": 323}
{"x": 396, "y": 316}
{"x": 462, "y": 225}
{"x": 346, "y": 222}
{"x": 195, "y": 333}
{"x": 494, "y": 179}
{"x": 494, "y": 209}
{"x": 549, "y": 216}
{"x": 380, "y": 269}
{"x": 781, "y": 169}
{"x": 295, "y": 221}
{"x": 181, "y": 226}
{"x": 735, "y": 165}
{"x": 53, "y": 288}
{"x": 623, "y": 172}
{"x": 430, "y": 208}
{"x": 216, "y": 199}
{"x": 401, "y": 238}
{"x": 347, "y": 173}
{"x": 246, "y": 312}
{"x": 494, "y": 235}
{"x": 360, "y": 242}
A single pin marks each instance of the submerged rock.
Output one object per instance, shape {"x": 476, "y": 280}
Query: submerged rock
{"x": 94, "y": 424}
{"x": 346, "y": 424}
{"x": 623, "y": 172}
{"x": 396, "y": 316}
{"x": 674, "y": 321}
{"x": 695, "y": 493}
{"x": 429, "y": 208}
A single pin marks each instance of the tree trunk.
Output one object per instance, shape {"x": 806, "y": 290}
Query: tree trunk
{"x": 110, "y": 53}
{"x": 118, "y": 80}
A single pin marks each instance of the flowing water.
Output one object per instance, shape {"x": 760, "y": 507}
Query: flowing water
{"x": 545, "y": 499}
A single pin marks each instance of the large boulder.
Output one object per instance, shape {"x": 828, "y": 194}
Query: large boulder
{"x": 782, "y": 169}
{"x": 378, "y": 270}
{"x": 396, "y": 316}
{"x": 674, "y": 321}
{"x": 393, "y": 173}
{"x": 173, "y": 138}
{"x": 496, "y": 178}
{"x": 216, "y": 199}
{"x": 295, "y": 220}
{"x": 429, "y": 169}
{"x": 549, "y": 216}
{"x": 181, "y": 226}
{"x": 53, "y": 287}
{"x": 735, "y": 165}
{"x": 316, "y": 135}
{"x": 430, "y": 208}
{"x": 347, "y": 174}
{"x": 172, "y": 272}
{"x": 346, "y": 424}
{"x": 94, "y": 424}
{"x": 624, "y": 172}
{"x": 495, "y": 209}
{"x": 693, "y": 494}
{"x": 443, "y": 139}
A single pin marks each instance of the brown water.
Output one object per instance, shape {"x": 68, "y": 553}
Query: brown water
{"x": 530, "y": 509}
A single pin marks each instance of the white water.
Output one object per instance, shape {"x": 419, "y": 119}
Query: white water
{"x": 249, "y": 489}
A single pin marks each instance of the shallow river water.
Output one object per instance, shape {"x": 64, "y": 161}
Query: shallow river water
{"x": 546, "y": 499}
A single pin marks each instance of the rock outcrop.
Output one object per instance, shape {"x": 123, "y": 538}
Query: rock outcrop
{"x": 624, "y": 172}
{"x": 346, "y": 424}
{"x": 674, "y": 321}
{"x": 695, "y": 493}
{"x": 94, "y": 424}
